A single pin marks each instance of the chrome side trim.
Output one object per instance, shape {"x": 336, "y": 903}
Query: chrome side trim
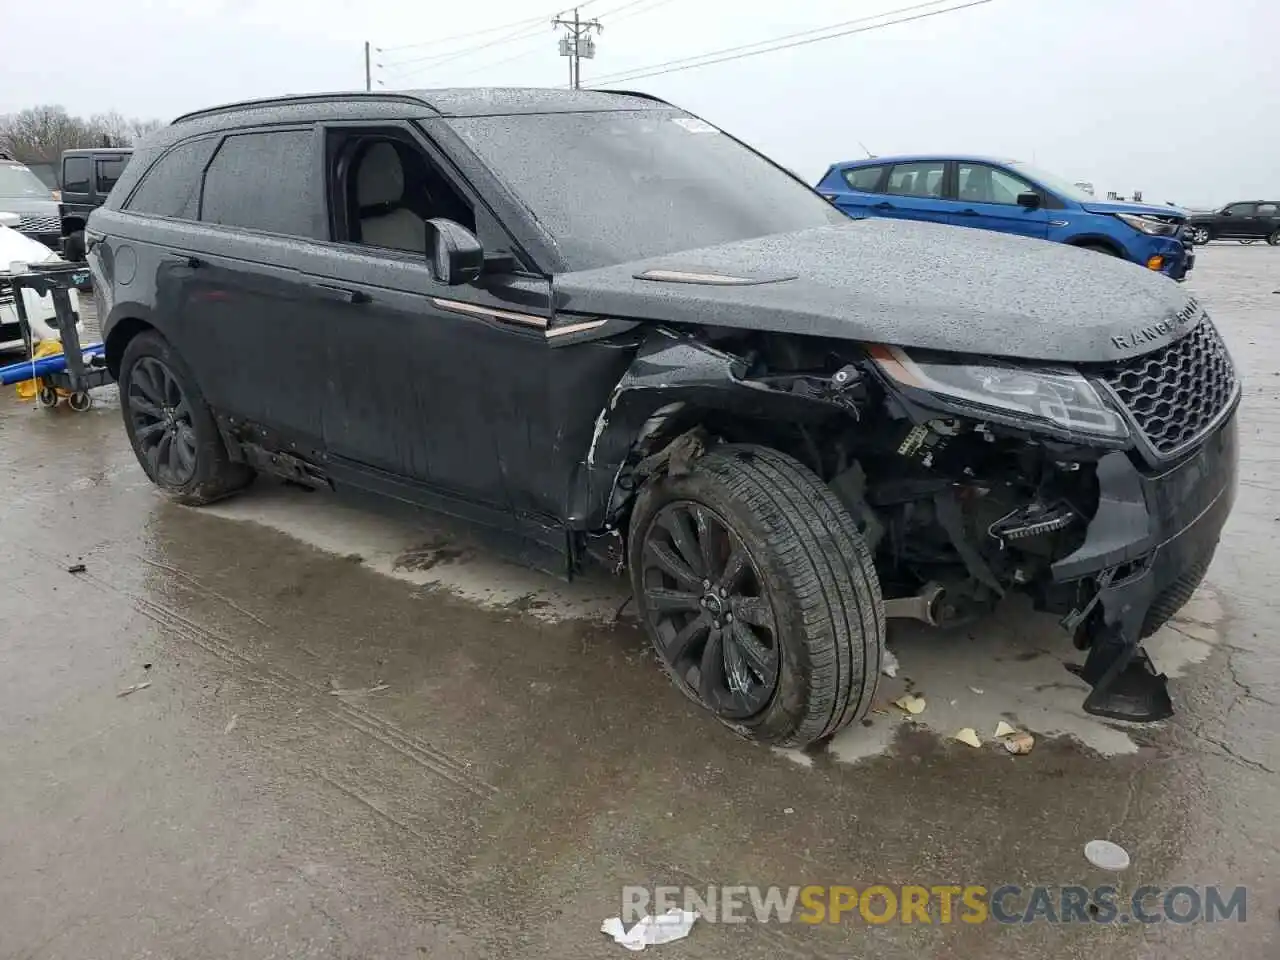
{"x": 490, "y": 313}
{"x": 576, "y": 328}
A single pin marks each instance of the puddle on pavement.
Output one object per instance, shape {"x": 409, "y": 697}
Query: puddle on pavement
{"x": 1016, "y": 657}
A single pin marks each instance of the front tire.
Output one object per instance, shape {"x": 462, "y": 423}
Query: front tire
{"x": 74, "y": 250}
{"x": 1198, "y": 235}
{"x": 1101, "y": 248}
{"x": 759, "y": 595}
{"x": 171, "y": 427}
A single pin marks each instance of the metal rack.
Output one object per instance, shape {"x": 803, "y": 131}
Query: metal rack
{"x": 81, "y": 374}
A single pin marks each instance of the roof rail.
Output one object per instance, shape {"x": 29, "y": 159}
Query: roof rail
{"x": 303, "y": 99}
{"x": 635, "y": 93}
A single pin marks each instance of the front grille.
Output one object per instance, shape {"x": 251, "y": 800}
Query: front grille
{"x": 51, "y": 224}
{"x": 1175, "y": 394}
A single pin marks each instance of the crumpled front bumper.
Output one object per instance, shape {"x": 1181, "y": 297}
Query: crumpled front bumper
{"x": 1146, "y": 549}
{"x": 1151, "y": 528}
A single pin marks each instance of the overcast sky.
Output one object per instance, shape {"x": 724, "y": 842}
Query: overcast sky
{"x": 1177, "y": 98}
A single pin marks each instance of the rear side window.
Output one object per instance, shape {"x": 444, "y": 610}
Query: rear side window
{"x": 922, "y": 179}
{"x": 263, "y": 181}
{"x": 865, "y": 179}
{"x": 171, "y": 188}
{"x": 109, "y": 171}
{"x": 979, "y": 183}
{"x": 1267, "y": 209}
{"x": 75, "y": 175}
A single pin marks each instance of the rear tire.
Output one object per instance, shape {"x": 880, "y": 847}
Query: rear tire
{"x": 810, "y": 576}
{"x": 1274, "y": 239}
{"x": 171, "y": 427}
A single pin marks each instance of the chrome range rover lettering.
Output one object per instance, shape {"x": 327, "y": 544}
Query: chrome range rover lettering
{"x": 1158, "y": 331}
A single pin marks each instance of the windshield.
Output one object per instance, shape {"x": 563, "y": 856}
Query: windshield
{"x": 1052, "y": 182}
{"x": 620, "y": 186}
{"x": 17, "y": 181}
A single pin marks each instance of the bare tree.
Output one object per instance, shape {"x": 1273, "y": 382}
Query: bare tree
{"x": 40, "y": 134}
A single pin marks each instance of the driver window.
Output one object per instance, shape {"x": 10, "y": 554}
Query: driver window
{"x": 1239, "y": 210}
{"x": 386, "y": 189}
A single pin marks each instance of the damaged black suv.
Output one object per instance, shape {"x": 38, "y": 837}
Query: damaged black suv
{"x": 601, "y": 327}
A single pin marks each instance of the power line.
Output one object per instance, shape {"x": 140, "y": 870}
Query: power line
{"x": 731, "y": 53}
{"x": 466, "y": 36}
{"x": 526, "y": 22}
{"x": 436, "y": 58}
{"x": 634, "y": 13}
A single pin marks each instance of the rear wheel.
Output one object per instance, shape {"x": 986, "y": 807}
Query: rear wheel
{"x": 1274, "y": 239}
{"x": 759, "y": 595}
{"x": 171, "y": 427}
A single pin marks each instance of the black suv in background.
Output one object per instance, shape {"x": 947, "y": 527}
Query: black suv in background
{"x": 604, "y": 329}
{"x": 87, "y": 177}
{"x": 1246, "y": 220}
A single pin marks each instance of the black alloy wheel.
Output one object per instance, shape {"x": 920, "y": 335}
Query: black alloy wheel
{"x": 161, "y": 419}
{"x": 709, "y": 609}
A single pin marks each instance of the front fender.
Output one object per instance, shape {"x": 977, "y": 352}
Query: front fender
{"x": 672, "y": 383}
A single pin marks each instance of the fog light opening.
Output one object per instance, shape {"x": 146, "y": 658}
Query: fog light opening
{"x": 1155, "y": 263}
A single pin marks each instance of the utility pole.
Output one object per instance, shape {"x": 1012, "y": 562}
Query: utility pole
{"x": 576, "y": 43}
{"x": 368, "y": 74}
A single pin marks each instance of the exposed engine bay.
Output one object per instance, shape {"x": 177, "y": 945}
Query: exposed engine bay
{"x": 968, "y": 479}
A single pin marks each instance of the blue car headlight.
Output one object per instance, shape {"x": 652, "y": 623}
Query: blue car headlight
{"x": 1151, "y": 226}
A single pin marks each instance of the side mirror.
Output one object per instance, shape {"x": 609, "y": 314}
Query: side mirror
{"x": 10, "y": 219}
{"x": 1029, "y": 200}
{"x": 455, "y": 254}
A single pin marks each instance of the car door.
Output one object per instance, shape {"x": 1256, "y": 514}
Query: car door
{"x": 242, "y": 308}
{"x": 1236, "y": 222}
{"x": 986, "y": 197}
{"x": 855, "y": 189}
{"x": 1268, "y": 215}
{"x": 425, "y": 382}
{"x": 915, "y": 191}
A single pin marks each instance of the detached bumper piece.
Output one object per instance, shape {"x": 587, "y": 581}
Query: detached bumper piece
{"x": 1147, "y": 549}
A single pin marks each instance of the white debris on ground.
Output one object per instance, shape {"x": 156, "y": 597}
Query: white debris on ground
{"x": 1106, "y": 855}
{"x": 889, "y": 663}
{"x": 675, "y": 924}
{"x": 967, "y": 735}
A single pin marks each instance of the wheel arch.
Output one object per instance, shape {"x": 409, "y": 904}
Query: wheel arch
{"x": 1098, "y": 240}
{"x": 125, "y": 322}
{"x": 677, "y": 387}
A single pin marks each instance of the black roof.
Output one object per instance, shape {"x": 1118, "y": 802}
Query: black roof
{"x": 78, "y": 151}
{"x": 459, "y": 101}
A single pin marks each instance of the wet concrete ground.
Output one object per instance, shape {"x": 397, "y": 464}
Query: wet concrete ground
{"x": 364, "y": 737}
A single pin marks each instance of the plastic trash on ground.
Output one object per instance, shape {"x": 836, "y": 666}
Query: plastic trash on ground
{"x": 675, "y": 924}
{"x": 1107, "y": 855}
{"x": 968, "y": 735}
{"x": 910, "y": 703}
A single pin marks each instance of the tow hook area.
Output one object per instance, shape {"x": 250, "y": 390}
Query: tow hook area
{"x": 1125, "y": 683}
